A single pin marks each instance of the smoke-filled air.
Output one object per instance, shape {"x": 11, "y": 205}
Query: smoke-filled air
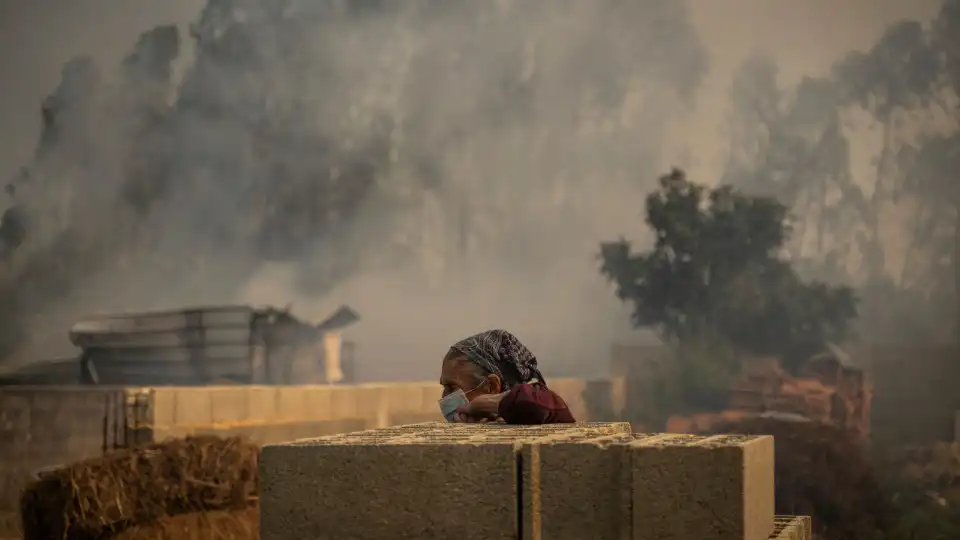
{"x": 445, "y": 167}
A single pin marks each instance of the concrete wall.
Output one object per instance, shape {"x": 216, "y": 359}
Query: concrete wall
{"x": 567, "y": 481}
{"x": 45, "y": 426}
{"x": 269, "y": 414}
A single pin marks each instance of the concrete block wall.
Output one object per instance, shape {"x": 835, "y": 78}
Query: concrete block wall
{"x": 281, "y": 413}
{"x": 563, "y": 481}
{"x": 46, "y": 426}
{"x": 269, "y": 414}
{"x": 673, "y": 478}
{"x": 434, "y": 480}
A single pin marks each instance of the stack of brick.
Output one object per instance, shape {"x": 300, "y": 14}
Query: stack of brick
{"x": 576, "y": 481}
{"x": 792, "y": 528}
{"x": 827, "y": 393}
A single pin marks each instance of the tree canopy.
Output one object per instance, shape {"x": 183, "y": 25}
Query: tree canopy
{"x": 717, "y": 272}
{"x": 889, "y": 227}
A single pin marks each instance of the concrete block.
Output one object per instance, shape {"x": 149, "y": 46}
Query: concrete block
{"x": 708, "y": 488}
{"x": 630, "y": 485}
{"x": 415, "y": 481}
{"x": 344, "y": 402}
{"x": 429, "y": 397}
{"x": 163, "y": 407}
{"x": 194, "y": 407}
{"x": 293, "y": 404}
{"x": 792, "y": 528}
{"x": 408, "y": 398}
{"x": 262, "y": 403}
{"x": 367, "y": 401}
{"x": 319, "y": 403}
{"x": 584, "y": 487}
{"x": 576, "y": 485}
{"x": 229, "y": 404}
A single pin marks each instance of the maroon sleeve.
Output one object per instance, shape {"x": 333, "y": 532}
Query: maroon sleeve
{"x": 534, "y": 404}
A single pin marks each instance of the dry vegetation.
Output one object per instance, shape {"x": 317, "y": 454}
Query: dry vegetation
{"x": 156, "y": 487}
{"x": 214, "y": 525}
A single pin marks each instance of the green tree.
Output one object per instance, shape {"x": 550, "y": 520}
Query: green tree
{"x": 716, "y": 274}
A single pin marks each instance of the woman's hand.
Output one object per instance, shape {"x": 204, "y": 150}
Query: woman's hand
{"x": 483, "y": 408}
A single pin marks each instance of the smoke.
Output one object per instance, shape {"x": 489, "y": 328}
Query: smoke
{"x": 862, "y": 155}
{"x": 443, "y": 167}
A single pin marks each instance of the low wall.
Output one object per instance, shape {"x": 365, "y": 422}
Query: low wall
{"x": 269, "y": 414}
{"x": 45, "y": 426}
{"x": 566, "y": 481}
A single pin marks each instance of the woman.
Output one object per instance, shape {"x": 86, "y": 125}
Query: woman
{"x": 497, "y": 378}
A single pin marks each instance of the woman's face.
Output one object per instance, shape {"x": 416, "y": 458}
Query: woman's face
{"x": 460, "y": 374}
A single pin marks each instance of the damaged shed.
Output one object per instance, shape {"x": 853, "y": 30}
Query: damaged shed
{"x": 213, "y": 345}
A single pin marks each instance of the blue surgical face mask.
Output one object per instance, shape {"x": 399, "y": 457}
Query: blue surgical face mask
{"x": 453, "y": 401}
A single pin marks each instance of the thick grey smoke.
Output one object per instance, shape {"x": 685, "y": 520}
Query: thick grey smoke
{"x": 444, "y": 167}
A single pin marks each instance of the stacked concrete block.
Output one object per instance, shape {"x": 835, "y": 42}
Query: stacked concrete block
{"x": 652, "y": 487}
{"x": 710, "y": 488}
{"x": 433, "y": 480}
{"x": 792, "y": 528}
{"x": 578, "y": 488}
{"x": 555, "y": 482}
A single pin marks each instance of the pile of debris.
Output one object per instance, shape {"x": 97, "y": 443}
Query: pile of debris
{"x": 154, "y": 491}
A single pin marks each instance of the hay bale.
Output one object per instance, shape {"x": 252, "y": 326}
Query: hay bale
{"x": 105, "y": 495}
{"x": 219, "y": 525}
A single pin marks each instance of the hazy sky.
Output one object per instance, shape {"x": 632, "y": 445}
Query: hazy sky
{"x": 38, "y": 36}
{"x": 805, "y": 37}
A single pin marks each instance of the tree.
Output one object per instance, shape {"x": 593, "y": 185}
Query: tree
{"x": 897, "y": 75}
{"x": 791, "y": 145}
{"x": 716, "y": 274}
{"x": 894, "y": 231}
{"x": 909, "y": 82}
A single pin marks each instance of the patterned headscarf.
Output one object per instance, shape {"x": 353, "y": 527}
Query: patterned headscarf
{"x": 501, "y": 353}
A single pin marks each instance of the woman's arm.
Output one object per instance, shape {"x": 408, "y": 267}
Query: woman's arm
{"x": 534, "y": 404}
